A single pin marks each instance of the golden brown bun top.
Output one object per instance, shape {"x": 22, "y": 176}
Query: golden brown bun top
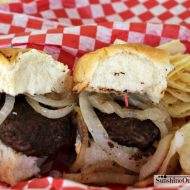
{"x": 8, "y": 55}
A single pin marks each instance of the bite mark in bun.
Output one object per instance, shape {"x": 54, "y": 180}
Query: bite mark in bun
{"x": 36, "y": 95}
{"x": 30, "y": 71}
{"x": 126, "y": 131}
{"x": 134, "y": 68}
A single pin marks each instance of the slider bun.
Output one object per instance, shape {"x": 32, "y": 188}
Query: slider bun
{"x": 31, "y": 71}
{"x": 122, "y": 68}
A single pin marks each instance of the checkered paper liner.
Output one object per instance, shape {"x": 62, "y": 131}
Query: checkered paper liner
{"x": 46, "y": 14}
{"x": 79, "y": 12}
{"x": 67, "y": 44}
{"x": 68, "y": 29}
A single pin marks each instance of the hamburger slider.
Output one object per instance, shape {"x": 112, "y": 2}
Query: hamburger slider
{"x": 120, "y": 88}
{"x": 35, "y": 101}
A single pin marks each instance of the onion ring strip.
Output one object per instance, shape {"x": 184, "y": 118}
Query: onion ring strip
{"x": 7, "y": 107}
{"x": 54, "y": 103}
{"x": 125, "y": 112}
{"x": 101, "y": 102}
{"x": 176, "y": 143}
{"x": 156, "y": 160}
{"x": 52, "y": 114}
{"x": 158, "y": 116}
{"x": 120, "y": 154}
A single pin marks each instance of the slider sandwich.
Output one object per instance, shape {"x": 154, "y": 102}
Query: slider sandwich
{"x": 35, "y": 101}
{"x": 119, "y": 117}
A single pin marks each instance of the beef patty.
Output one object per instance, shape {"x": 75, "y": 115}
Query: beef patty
{"x": 130, "y": 132}
{"x": 27, "y": 131}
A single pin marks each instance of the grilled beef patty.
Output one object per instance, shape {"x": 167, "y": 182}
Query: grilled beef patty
{"x": 130, "y": 132}
{"x": 27, "y": 131}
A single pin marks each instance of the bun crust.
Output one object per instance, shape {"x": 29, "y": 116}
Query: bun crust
{"x": 30, "y": 71}
{"x": 92, "y": 70}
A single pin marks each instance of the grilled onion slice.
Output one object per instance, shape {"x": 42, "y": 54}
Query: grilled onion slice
{"x": 124, "y": 156}
{"x": 52, "y": 114}
{"x": 7, "y": 107}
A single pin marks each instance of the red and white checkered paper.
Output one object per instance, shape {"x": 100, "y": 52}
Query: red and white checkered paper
{"x": 67, "y": 29}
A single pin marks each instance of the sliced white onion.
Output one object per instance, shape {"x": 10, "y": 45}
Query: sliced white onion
{"x": 154, "y": 114}
{"x": 52, "y": 114}
{"x": 7, "y": 107}
{"x": 122, "y": 155}
{"x": 54, "y": 103}
{"x": 158, "y": 116}
{"x": 156, "y": 160}
{"x": 168, "y": 120}
{"x": 162, "y": 127}
{"x": 176, "y": 143}
{"x": 139, "y": 101}
{"x": 101, "y": 102}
